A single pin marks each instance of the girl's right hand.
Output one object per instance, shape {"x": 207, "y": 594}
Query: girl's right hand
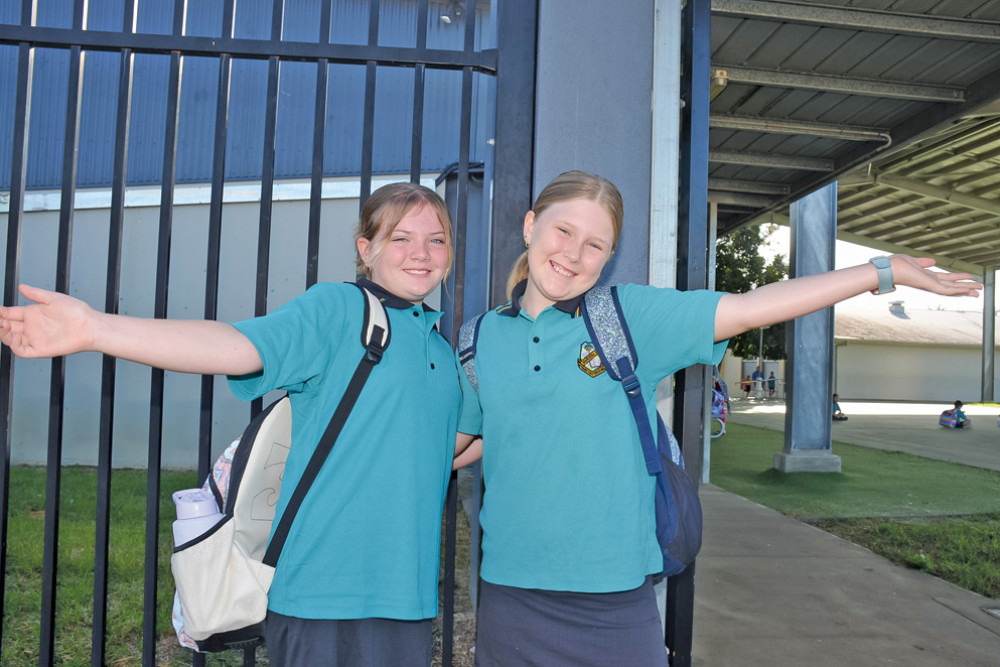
{"x": 54, "y": 326}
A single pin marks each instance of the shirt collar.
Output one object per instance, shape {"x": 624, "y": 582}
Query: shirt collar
{"x": 513, "y": 309}
{"x": 388, "y": 298}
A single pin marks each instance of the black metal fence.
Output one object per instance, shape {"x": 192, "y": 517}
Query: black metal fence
{"x": 25, "y": 36}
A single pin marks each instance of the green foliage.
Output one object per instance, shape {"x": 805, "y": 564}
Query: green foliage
{"x": 942, "y": 518}
{"x": 740, "y": 267}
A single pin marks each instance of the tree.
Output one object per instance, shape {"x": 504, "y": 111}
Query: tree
{"x": 740, "y": 267}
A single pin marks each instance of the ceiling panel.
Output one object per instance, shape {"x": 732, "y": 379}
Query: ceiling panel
{"x": 915, "y": 82}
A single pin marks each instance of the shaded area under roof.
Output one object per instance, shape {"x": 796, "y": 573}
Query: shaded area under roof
{"x": 896, "y": 99}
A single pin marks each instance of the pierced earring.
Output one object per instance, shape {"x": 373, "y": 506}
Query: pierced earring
{"x": 527, "y": 244}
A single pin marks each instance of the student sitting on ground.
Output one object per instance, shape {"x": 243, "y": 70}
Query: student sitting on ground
{"x": 838, "y": 416}
{"x": 954, "y": 418}
{"x": 960, "y": 418}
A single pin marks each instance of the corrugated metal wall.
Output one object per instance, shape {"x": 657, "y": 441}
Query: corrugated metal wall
{"x": 343, "y": 146}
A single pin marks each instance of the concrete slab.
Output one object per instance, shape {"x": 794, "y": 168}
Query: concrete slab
{"x": 903, "y": 427}
{"x": 773, "y": 591}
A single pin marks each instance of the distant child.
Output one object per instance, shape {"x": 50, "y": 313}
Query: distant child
{"x": 960, "y": 419}
{"x": 838, "y": 416}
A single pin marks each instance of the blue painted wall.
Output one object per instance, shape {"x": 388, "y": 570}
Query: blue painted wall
{"x": 342, "y": 150}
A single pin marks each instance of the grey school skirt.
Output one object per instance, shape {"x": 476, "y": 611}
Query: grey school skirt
{"x": 365, "y": 642}
{"x": 518, "y": 627}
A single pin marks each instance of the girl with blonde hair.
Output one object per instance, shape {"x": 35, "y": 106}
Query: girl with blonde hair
{"x": 569, "y": 543}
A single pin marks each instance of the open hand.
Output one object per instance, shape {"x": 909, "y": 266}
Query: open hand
{"x": 915, "y": 272}
{"x": 54, "y": 326}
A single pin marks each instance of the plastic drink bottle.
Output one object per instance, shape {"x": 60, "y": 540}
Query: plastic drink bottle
{"x": 197, "y": 511}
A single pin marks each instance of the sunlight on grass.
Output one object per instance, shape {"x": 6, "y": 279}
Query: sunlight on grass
{"x": 942, "y": 518}
{"x": 873, "y": 482}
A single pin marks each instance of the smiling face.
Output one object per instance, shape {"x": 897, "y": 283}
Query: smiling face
{"x": 570, "y": 242}
{"x": 413, "y": 258}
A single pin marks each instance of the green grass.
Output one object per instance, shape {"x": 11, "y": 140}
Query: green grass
{"x": 962, "y": 550}
{"x": 75, "y": 586}
{"x": 74, "y": 590}
{"x": 943, "y": 518}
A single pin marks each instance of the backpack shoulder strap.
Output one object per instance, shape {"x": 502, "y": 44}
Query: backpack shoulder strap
{"x": 602, "y": 313}
{"x": 375, "y": 332}
{"x": 468, "y": 336}
{"x": 375, "y": 336}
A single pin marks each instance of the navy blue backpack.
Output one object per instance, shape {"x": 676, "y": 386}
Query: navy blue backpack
{"x": 678, "y": 509}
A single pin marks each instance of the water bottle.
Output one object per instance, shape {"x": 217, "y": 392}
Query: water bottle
{"x": 197, "y": 511}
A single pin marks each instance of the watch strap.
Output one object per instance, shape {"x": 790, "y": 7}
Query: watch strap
{"x": 884, "y": 268}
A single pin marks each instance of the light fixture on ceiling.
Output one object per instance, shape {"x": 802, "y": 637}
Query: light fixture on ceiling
{"x": 453, "y": 11}
{"x": 720, "y": 79}
{"x": 928, "y": 228}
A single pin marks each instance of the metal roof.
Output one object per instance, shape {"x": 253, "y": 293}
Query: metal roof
{"x": 896, "y": 99}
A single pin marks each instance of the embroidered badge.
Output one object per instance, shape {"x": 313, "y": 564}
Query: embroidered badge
{"x": 589, "y": 362}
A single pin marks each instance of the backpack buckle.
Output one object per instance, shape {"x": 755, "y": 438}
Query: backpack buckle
{"x": 631, "y": 385}
{"x": 373, "y": 353}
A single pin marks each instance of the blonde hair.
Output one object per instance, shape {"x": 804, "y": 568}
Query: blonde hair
{"x": 386, "y": 207}
{"x": 567, "y": 186}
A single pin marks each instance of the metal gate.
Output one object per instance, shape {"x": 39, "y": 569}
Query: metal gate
{"x": 22, "y": 35}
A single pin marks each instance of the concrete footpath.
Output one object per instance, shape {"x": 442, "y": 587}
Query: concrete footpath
{"x": 771, "y": 590}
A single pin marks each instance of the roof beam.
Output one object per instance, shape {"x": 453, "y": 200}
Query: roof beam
{"x": 750, "y": 187}
{"x": 940, "y": 193}
{"x": 769, "y": 161}
{"x": 838, "y": 84}
{"x": 739, "y": 199}
{"x": 861, "y": 19}
{"x": 797, "y": 127}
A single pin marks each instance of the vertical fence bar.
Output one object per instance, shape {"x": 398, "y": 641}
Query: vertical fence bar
{"x": 517, "y": 28}
{"x": 419, "y": 75}
{"x": 12, "y": 271}
{"x": 57, "y": 383}
{"x": 105, "y": 445}
{"x": 214, "y": 250}
{"x": 461, "y": 229}
{"x": 692, "y": 273}
{"x": 154, "y": 456}
{"x": 319, "y": 147}
{"x": 212, "y": 259}
{"x": 267, "y": 178}
{"x": 368, "y": 129}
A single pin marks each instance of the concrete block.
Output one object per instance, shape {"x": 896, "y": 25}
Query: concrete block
{"x": 807, "y": 462}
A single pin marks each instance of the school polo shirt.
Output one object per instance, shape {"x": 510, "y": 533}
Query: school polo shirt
{"x": 568, "y": 504}
{"x": 366, "y": 539}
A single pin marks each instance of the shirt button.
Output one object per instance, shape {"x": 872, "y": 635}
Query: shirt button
{"x": 536, "y": 339}
{"x": 538, "y": 368}
{"x": 432, "y": 366}
{"x": 416, "y": 314}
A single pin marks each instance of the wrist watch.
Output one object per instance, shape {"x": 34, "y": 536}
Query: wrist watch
{"x": 884, "y": 268}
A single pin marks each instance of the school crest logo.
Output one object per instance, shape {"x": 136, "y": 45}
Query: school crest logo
{"x": 589, "y": 362}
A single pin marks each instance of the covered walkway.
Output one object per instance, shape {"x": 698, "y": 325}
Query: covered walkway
{"x": 775, "y": 591}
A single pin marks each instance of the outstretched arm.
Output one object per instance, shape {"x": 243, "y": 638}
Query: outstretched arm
{"x": 58, "y": 324}
{"x": 786, "y": 300}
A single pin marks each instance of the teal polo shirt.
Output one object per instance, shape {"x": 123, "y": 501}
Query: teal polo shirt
{"x": 568, "y": 504}
{"x": 365, "y": 542}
